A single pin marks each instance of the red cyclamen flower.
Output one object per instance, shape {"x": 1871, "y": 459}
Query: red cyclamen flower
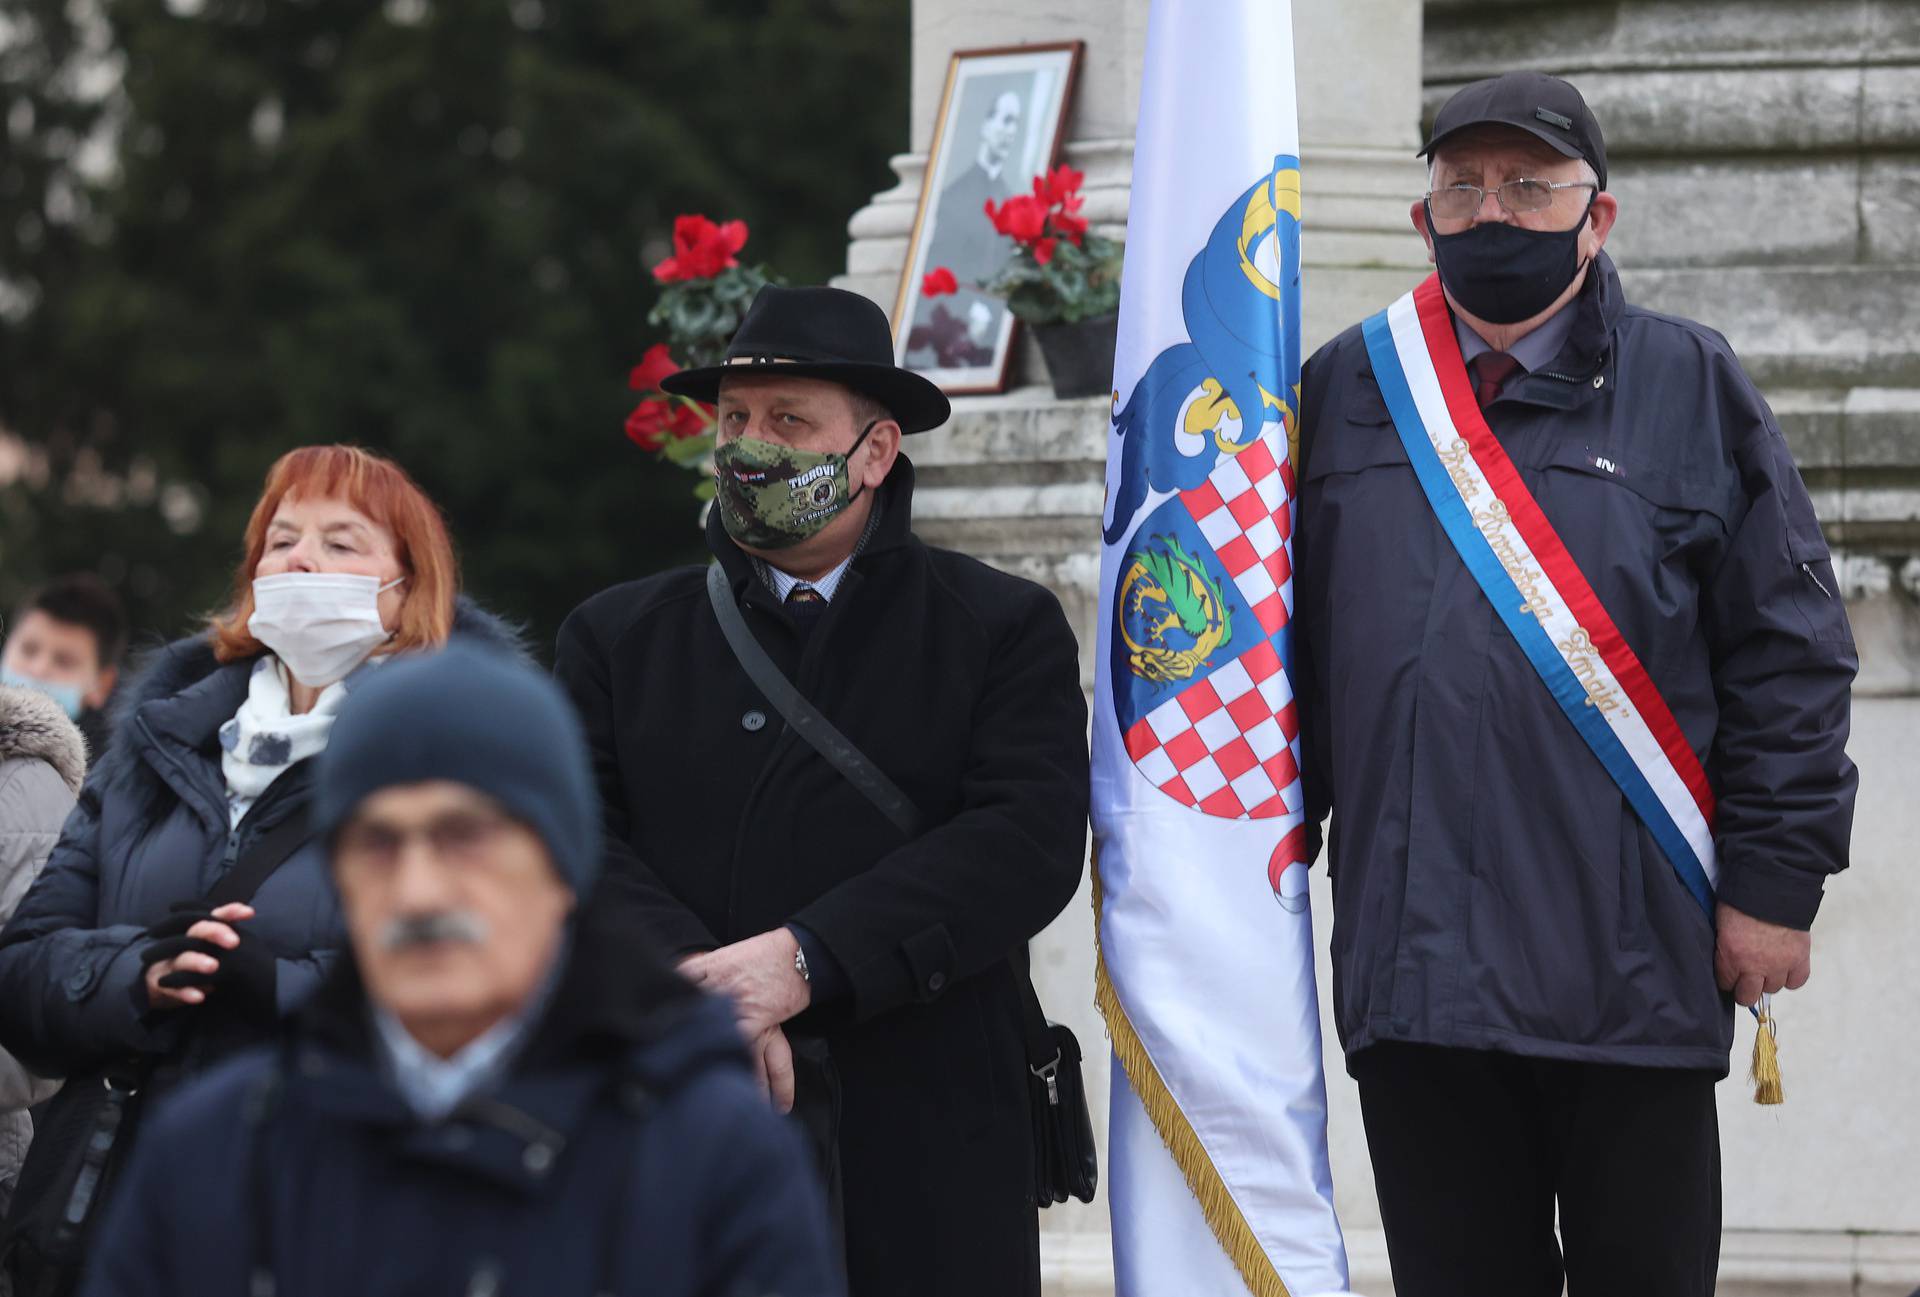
{"x": 1022, "y": 218}
{"x": 654, "y": 366}
{"x": 701, "y": 249}
{"x": 647, "y": 425}
{"x": 939, "y": 282}
{"x": 1062, "y": 186}
{"x": 656, "y": 420}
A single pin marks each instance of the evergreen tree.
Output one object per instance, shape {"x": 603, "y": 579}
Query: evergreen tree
{"x": 231, "y": 227}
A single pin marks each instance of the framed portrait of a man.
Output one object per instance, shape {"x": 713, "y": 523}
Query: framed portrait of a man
{"x": 1001, "y": 118}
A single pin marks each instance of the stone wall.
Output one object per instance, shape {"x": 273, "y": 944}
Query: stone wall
{"x": 1767, "y": 157}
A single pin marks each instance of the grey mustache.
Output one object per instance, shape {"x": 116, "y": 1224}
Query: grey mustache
{"x": 413, "y": 930}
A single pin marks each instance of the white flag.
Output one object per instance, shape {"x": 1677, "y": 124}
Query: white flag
{"x": 1219, "y": 1179}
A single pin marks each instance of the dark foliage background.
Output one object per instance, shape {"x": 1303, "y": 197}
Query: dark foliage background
{"x": 423, "y": 226}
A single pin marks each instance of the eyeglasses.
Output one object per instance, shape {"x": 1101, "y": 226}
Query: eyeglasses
{"x": 1460, "y": 202}
{"x": 461, "y": 838}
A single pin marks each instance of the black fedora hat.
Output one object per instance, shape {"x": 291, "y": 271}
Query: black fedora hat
{"x": 825, "y": 333}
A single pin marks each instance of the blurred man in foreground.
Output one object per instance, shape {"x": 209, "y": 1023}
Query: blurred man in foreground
{"x": 492, "y": 1097}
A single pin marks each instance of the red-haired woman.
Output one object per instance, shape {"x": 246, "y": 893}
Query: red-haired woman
{"x": 124, "y": 959}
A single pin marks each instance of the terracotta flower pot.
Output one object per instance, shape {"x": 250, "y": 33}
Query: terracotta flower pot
{"x": 1080, "y": 355}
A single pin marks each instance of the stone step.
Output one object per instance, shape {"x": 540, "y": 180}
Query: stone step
{"x": 1824, "y": 326}
{"x": 1753, "y": 1263}
{"x": 1462, "y": 38}
{"x": 1795, "y": 209}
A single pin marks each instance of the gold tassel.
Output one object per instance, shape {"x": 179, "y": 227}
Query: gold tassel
{"x": 1765, "y": 1073}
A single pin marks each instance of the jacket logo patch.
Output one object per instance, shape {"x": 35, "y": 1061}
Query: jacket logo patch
{"x": 1606, "y": 465}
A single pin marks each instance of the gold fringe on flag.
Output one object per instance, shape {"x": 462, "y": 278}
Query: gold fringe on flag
{"x": 1216, "y": 1200}
{"x": 1765, "y": 1072}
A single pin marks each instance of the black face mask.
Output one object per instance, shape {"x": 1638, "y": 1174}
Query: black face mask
{"x": 1504, "y": 274}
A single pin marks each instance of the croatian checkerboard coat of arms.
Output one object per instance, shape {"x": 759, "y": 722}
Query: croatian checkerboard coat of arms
{"x": 1203, "y": 503}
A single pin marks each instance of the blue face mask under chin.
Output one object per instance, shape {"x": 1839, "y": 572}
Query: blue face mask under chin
{"x": 68, "y": 696}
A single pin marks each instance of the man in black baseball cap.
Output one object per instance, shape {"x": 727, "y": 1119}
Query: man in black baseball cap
{"x": 1517, "y": 207}
{"x": 1534, "y": 995}
{"x": 868, "y": 962}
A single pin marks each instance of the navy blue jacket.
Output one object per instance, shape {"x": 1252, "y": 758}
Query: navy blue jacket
{"x": 1492, "y": 887}
{"x": 626, "y": 1150}
{"x": 151, "y": 829}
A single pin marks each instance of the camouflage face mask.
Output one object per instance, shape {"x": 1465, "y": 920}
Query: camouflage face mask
{"x": 773, "y": 497}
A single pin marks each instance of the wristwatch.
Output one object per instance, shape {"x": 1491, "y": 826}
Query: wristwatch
{"x": 800, "y": 964}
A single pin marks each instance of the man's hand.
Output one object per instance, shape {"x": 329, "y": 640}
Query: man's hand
{"x": 773, "y": 1067}
{"x": 214, "y": 931}
{"x": 759, "y": 977}
{"x": 1752, "y": 957}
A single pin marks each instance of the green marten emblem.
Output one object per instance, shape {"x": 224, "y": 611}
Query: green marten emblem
{"x": 1174, "y": 612}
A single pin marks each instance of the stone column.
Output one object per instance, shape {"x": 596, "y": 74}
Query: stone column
{"x": 1357, "y": 66}
{"x": 1018, "y": 479}
{"x": 1359, "y": 125}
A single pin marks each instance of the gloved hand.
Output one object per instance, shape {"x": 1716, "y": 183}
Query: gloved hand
{"x": 249, "y": 977}
{"x": 179, "y": 944}
{"x": 247, "y": 980}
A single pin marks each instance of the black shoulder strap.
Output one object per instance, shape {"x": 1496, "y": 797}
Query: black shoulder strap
{"x": 850, "y": 761}
{"x": 1043, "y": 1051}
{"x": 807, "y": 722}
{"x": 263, "y": 855}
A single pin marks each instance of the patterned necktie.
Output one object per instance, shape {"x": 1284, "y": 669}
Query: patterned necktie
{"x": 805, "y": 603}
{"x": 1491, "y": 370}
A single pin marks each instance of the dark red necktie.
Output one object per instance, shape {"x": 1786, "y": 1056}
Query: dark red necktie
{"x": 1491, "y": 370}
{"x": 805, "y": 603}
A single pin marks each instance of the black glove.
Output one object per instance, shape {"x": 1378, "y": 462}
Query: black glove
{"x": 182, "y": 915}
{"x": 249, "y": 978}
{"x": 174, "y": 945}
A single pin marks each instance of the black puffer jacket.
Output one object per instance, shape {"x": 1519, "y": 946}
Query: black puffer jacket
{"x": 152, "y": 829}
{"x": 1492, "y": 887}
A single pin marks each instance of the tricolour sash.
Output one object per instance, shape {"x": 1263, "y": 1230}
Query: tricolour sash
{"x": 1524, "y": 568}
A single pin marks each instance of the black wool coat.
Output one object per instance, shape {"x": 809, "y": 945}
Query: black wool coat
{"x": 962, "y": 684}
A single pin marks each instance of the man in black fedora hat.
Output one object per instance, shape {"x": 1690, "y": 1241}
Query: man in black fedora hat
{"x": 1575, "y": 677}
{"x": 881, "y": 955}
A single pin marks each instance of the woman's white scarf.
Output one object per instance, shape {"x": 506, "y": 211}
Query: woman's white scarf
{"x": 264, "y": 737}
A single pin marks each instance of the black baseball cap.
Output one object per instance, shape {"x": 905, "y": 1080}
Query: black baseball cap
{"x": 1545, "y": 107}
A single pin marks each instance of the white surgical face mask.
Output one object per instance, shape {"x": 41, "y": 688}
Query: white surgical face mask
{"x": 321, "y": 625}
